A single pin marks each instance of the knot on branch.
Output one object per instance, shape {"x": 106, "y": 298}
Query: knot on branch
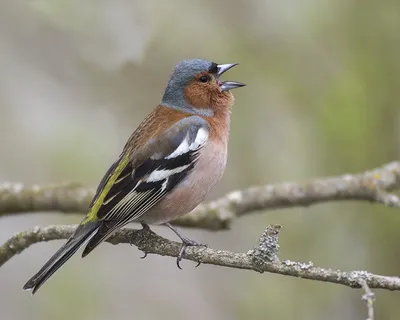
{"x": 357, "y": 278}
{"x": 268, "y": 248}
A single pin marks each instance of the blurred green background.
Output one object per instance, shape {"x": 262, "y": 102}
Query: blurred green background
{"x": 322, "y": 99}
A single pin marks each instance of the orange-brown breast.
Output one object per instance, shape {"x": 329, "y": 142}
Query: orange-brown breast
{"x": 209, "y": 168}
{"x": 209, "y": 96}
{"x": 221, "y": 104}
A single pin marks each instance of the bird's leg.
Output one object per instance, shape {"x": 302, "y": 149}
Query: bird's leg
{"x": 145, "y": 227}
{"x": 186, "y": 242}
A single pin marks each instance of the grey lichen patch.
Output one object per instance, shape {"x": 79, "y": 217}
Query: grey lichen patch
{"x": 298, "y": 265}
{"x": 268, "y": 248}
{"x": 356, "y": 277}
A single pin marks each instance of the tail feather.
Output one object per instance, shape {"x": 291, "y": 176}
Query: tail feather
{"x": 102, "y": 233}
{"x": 82, "y": 234}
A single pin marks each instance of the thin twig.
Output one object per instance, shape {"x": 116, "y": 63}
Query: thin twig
{"x": 373, "y": 186}
{"x": 369, "y": 298}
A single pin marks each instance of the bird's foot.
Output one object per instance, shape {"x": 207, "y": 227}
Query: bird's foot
{"x": 145, "y": 228}
{"x": 186, "y": 242}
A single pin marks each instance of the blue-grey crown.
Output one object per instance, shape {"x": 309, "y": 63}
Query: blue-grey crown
{"x": 183, "y": 73}
{"x": 185, "y": 70}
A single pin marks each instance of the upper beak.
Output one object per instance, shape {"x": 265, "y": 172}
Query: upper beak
{"x": 228, "y": 85}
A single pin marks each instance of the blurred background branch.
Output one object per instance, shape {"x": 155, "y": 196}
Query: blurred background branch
{"x": 257, "y": 259}
{"x": 371, "y": 186}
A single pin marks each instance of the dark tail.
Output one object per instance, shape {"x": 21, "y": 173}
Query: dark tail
{"x": 82, "y": 234}
{"x": 102, "y": 233}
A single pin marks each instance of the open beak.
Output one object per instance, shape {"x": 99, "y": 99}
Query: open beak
{"x": 228, "y": 85}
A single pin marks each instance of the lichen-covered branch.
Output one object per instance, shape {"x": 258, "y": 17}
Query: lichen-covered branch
{"x": 373, "y": 186}
{"x": 263, "y": 258}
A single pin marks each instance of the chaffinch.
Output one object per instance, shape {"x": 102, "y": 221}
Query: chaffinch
{"x": 167, "y": 167}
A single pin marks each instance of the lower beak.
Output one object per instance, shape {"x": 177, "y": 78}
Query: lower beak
{"x": 228, "y": 85}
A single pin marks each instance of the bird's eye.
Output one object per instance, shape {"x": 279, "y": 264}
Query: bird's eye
{"x": 204, "y": 78}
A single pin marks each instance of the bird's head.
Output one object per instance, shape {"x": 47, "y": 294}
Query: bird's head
{"x": 195, "y": 87}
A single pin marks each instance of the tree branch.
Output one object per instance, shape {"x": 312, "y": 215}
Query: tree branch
{"x": 373, "y": 186}
{"x": 263, "y": 258}
{"x": 369, "y": 298}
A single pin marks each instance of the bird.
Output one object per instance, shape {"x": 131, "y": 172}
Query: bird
{"x": 167, "y": 167}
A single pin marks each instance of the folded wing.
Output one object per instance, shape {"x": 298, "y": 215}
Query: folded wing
{"x": 136, "y": 182}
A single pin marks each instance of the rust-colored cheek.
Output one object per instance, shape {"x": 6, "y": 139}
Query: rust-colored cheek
{"x": 198, "y": 96}
{"x": 208, "y": 96}
{"x": 222, "y": 100}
